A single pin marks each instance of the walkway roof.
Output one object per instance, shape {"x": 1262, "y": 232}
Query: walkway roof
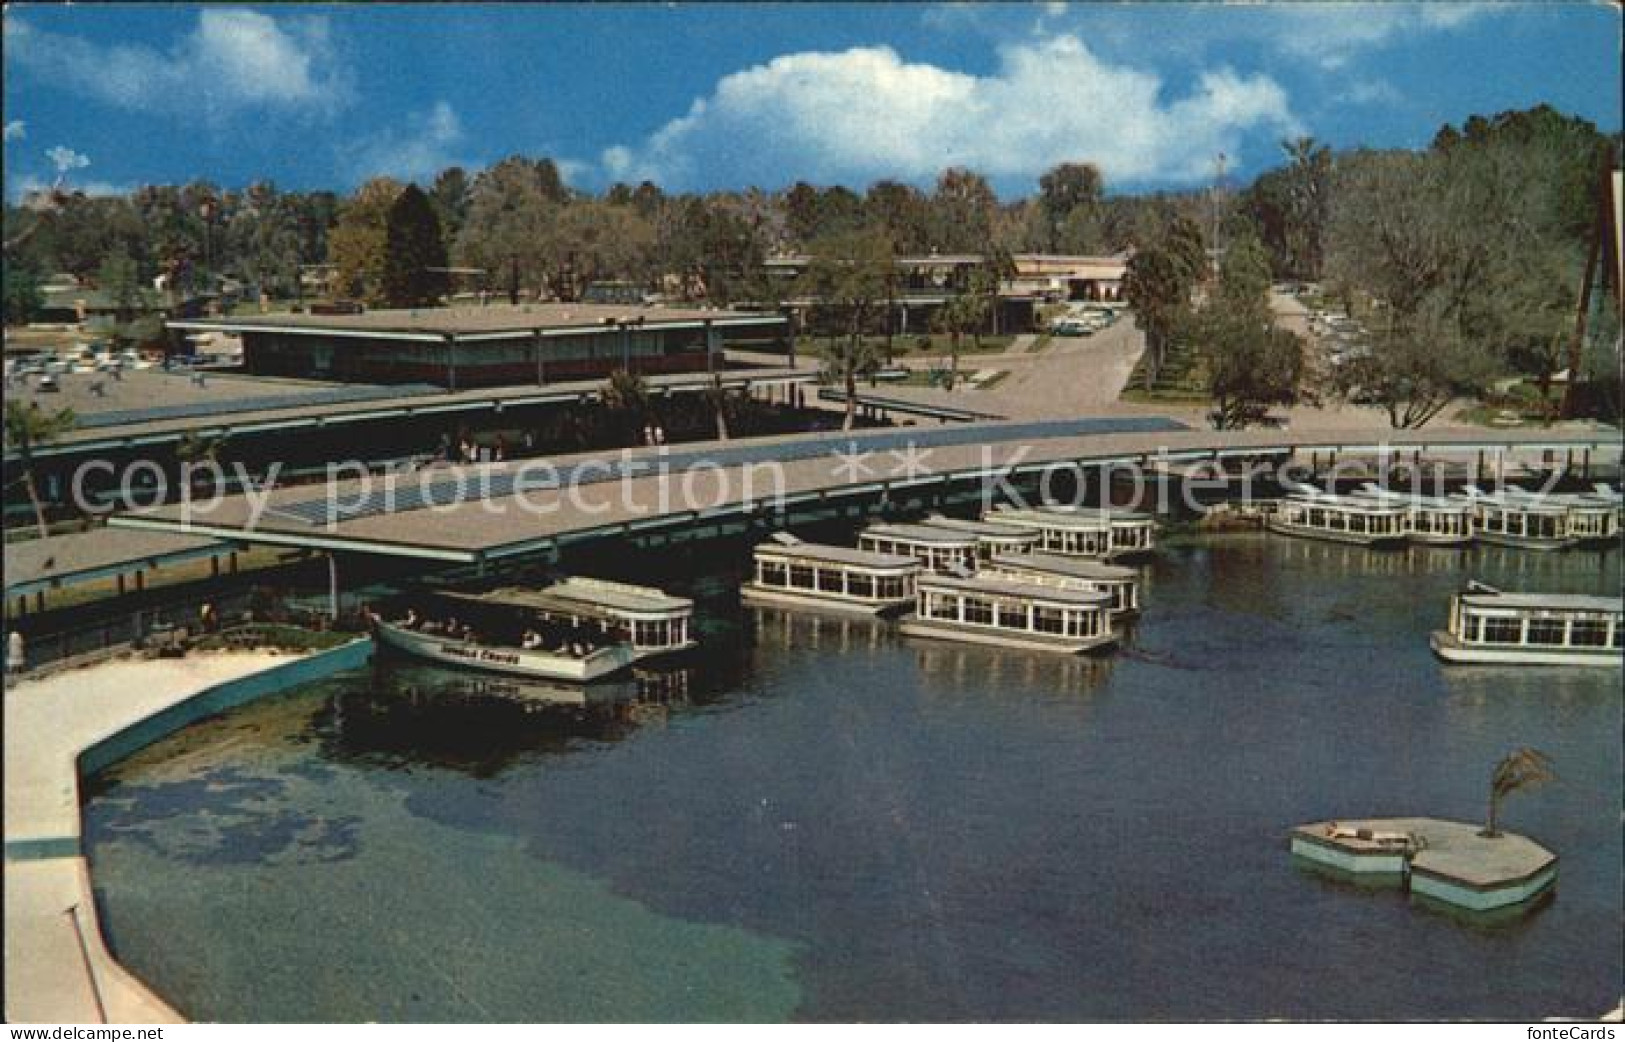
{"x": 483, "y": 513}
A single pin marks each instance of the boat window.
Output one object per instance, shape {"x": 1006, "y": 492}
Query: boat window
{"x": 860, "y": 585}
{"x": 941, "y": 606}
{"x": 801, "y": 575}
{"x": 1470, "y": 628}
{"x": 1049, "y": 620}
{"x": 1012, "y": 615}
{"x": 1589, "y": 633}
{"x": 830, "y": 580}
{"x": 893, "y": 588}
{"x": 1546, "y": 631}
{"x": 773, "y": 573}
{"x": 979, "y": 611}
{"x": 1503, "y": 631}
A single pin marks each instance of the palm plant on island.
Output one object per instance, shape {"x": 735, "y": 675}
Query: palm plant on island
{"x": 1522, "y": 768}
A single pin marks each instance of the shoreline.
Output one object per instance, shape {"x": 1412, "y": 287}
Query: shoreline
{"x": 59, "y": 728}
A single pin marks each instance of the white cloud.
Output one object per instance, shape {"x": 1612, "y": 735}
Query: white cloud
{"x": 65, "y": 158}
{"x": 16, "y": 130}
{"x": 866, "y": 113}
{"x": 417, "y": 152}
{"x": 1333, "y": 34}
{"x": 233, "y": 59}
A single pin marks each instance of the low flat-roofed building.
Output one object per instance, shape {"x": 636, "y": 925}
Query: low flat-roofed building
{"x": 488, "y": 346}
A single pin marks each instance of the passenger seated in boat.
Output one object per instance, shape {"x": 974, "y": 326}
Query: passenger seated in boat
{"x": 411, "y": 620}
{"x": 531, "y": 640}
{"x": 1336, "y": 831}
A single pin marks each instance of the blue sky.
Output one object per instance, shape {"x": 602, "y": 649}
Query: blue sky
{"x": 725, "y": 96}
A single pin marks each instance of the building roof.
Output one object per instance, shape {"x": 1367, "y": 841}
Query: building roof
{"x": 36, "y": 564}
{"x": 493, "y": 321}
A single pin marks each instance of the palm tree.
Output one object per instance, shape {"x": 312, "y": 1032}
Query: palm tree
{"x": 626, "y": 394}
{"x": 196, "y": 449}
{"x": 1522, "y": 768}
{"x": 28, "y": 426}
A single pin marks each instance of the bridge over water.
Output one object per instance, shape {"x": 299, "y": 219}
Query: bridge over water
{"x": 486, "y": 513}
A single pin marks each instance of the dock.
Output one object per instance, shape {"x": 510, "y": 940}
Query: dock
{"x": 1451, "y": 862}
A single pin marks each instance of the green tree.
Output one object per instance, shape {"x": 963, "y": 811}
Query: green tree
{"x": 959, "y": 314}
{"x": 900, "y": 211}
{"x": 413, "y": 250}
{"x": 22, "y": 295}
{"x": 626, "y": 396}
{"x": 359, "y": 241}
{"x": 119, "y": 279}
{"x": 28, "y": 427}
{"x": 1251, "y": 364}
{"x": 1157, "y": 285}
{"x": 963, "y": 209}
{"x": 1521, "y": 769}
{"x": 513, "y": 211}
{"x": 1069, "y": 192}
{"x": 849, "y": 277}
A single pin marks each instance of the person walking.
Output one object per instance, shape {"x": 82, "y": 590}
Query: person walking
{"x": 16, "y": 655}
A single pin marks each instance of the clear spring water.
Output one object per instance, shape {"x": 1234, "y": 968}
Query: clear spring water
{"x": 817, "y": 819}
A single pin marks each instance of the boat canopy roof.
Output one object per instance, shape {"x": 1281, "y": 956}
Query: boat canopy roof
{"x": 1117, "y": 514}
{"x": 592, "y": 598}
{"x": 1332, "y": 501}
{"x": 920, "y": 534}
{"x": 1543, "y": 601}
{"x": 1090, "y": 521}
{"x": 840, "y": 555}
{"x": 1067, "y": 567}
{"x": 1414, "y": 500}
{"x": 1014, "y": 588}
{"x": 980, "y": 529}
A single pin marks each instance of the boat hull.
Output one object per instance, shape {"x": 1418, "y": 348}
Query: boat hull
{"x": 514, "y": 662}
{"x": 1452, "y": 650}
{"x": 913, "y": 626}
{"x": 1524, "y": 542}
{"x": 1375, "y": 542}
{"x": 751, "y": 593}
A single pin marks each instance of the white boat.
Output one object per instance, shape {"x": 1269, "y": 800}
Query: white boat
{"x": 1313, "y": 514}
{"x": 1520, "y": 519}
{"x": 1433, "y": 520}
{"x": 1121, "y": 584}
{"x": 1488, "y": 626}
{"x": 1010, "y": 613}
{"x": 1082, "y": 531}
{"x": 1592, "y": 518}
{"x": 939, "y": 549}
{"x": 992, "y": 540}
{"x": 792, "y": 573}
{"x": 577, "y": 629}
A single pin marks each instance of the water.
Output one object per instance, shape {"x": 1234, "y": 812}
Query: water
{"x": 819, "y": 820}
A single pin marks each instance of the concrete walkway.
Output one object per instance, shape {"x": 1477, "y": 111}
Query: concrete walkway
{"x": 58, "y": 969}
